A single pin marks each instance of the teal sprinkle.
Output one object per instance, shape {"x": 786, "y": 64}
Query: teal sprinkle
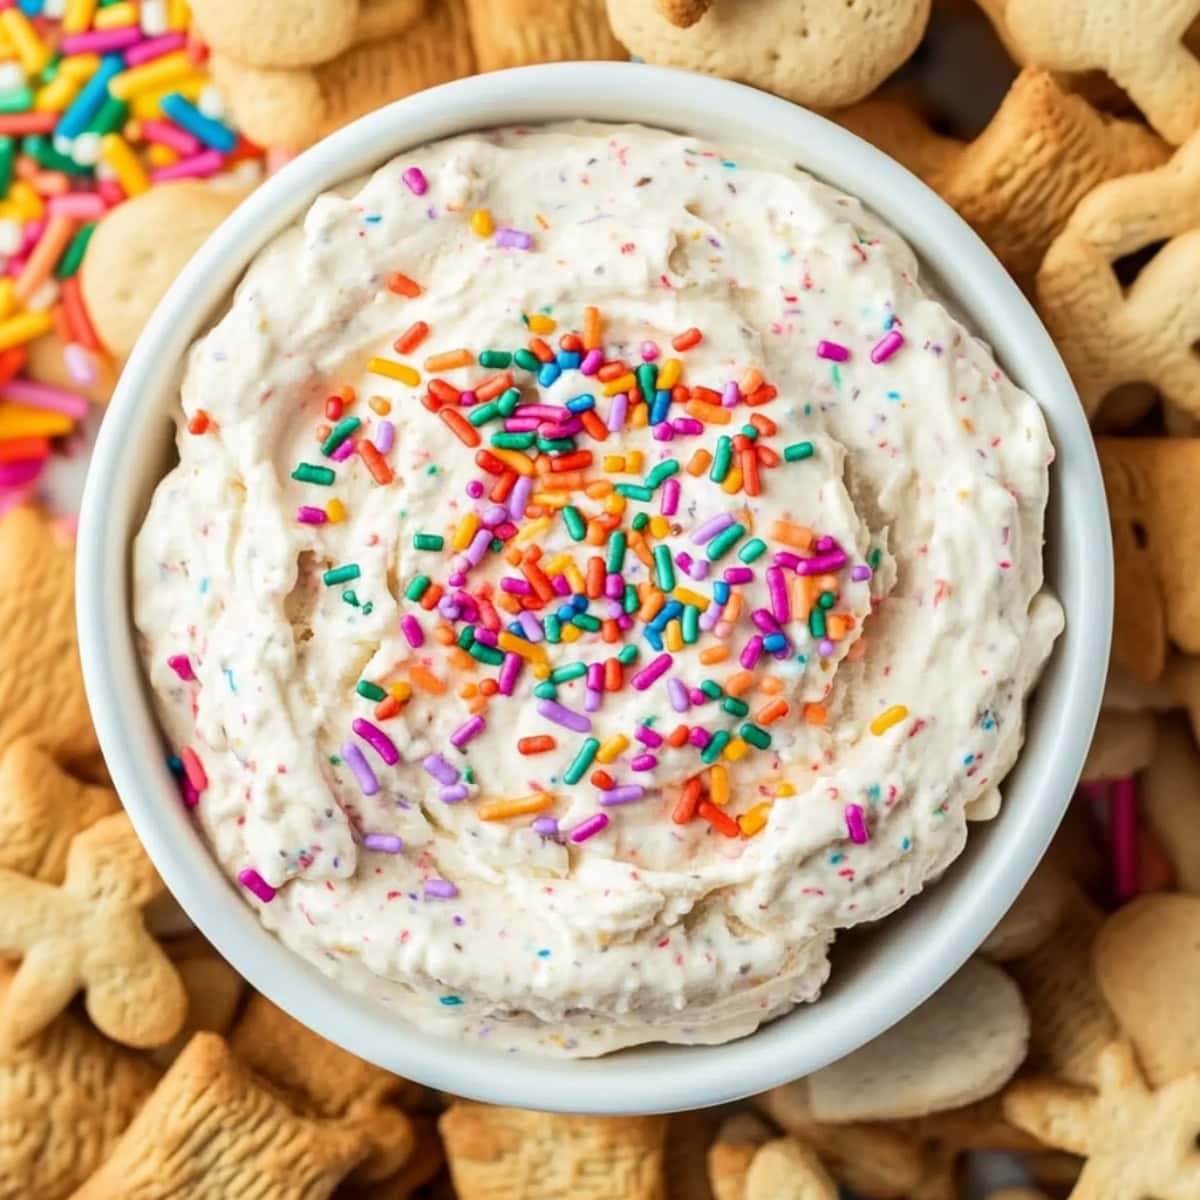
{"x": 712, "y": 689}
{"x": 735, "y": 707}
{"x": 724, "y": 542}
{"x": 906, "y": 843}
{"x": 826, "y": 600}
{"x": 339, "y": 433}
{"x": 816, "y": 621}
{"x": 580, "y": 763}
{"x": 616, "y": 552}
{"x": 513, "y": 441}
{"x": 835, "y": 375}
{"x": 798, "y": 451}
{"x": 555, "y": 445}
{"x": 553, "y": 627}
{"x": 341, "y": 574}
{"x": 567, "y": 673}
{"x": 417, "y": 587}
{"x": 469, "y": 775}
{"x": 543, "y": 953}
{"x": 495, "y": 358}
{"x": 754, "y": 549}
{"x": 573, "y": 520}
{"x": 875, "y": 558}
{"x": 690, "y": 624}
{"x": 586, "y": 621}
{"x": 466, "y": 635}
{"x": 368, "y": 608}
{"x": 483, "y": 414}
{"x": 428, "y": 541}
{"x": 634, "y": 491}
{"x": 722, "y": 459}
{"x": 432, "y": 469}
{"x": 507, "y": 404}
{"x": 449, "y": 1001}
{"x": 750, "y": 432}
{"x": 662, "y": 472}
{"x": 755, "y": 735}
{"x": 495, "y": 545}
{"x": 486, "y": 654}
{"x": 629, "y": 600}
{"x": 527, "y": 360}
{"x": 627, "y": 655}
{"x": 712, "y": 751}
{"x": 545, "y": 690}
{"x": 370, "y": 691}
{"x": 664, "y": 568}
{"x": 350, "y": 598}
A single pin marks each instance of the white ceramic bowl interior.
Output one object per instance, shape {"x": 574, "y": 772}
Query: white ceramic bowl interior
{"x": 879, "y": 975}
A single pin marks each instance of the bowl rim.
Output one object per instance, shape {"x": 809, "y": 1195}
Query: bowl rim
{"x": 654, "y": 1078}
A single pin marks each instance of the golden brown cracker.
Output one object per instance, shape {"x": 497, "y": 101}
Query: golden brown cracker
{"x": 785, "y": 1169}
{"x": 212, "y": 1131}
{"x": 1169, "y": 791}
{"x": 87, "y": 934}
{"x": 498, "y": 1153}
{"x": 1156, "y": 543}
{"x": 423, "y": 1166}
{"x": 66, "y": 1096}
{"x": 1019, "y": 180}
{"x": 41, "y": 684}
{"x": 516, "y": 33}
{"x": 214, "y": 993}
{"x": 1139, "y": 1142}
{"x": 1034, "y": 917}
{"x": 685, "y": 1154}
{"x": 1122, "y": 745}
{"x": 1113, "y": 322}
{"x": 330, "y": 1082}
{"x": 41, "y": 809}
{"x": 47, "y": 363}
{"x": 738, "y": 1140}
{"x": 813, "y": 52}
{"x": 291, "y": 108}
{"x": 298, "y": 33}
{"x": 139, "y": 248}
{"x": 684, "y": 13}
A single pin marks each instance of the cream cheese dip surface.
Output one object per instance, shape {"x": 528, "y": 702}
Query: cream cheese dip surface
{"x": 596, "y": 572}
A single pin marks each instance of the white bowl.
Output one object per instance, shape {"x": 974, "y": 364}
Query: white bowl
{"x": 878, "y": 975}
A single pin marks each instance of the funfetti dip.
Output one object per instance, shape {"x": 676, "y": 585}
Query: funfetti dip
{"x": 597, "y": 571}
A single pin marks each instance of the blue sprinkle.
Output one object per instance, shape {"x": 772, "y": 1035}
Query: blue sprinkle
{"x": 581, "y": 403}
{"x": 834, "y": 859}
{"x": 204, "y": 586}
{"x": 543, "y": 954}
{"x": 449, "y": 1001}
{"x": 373, "y": 220}
{"x": 569, "y": 360}
{"x": 549, "y": 373}
{"x": 228, "y": 672}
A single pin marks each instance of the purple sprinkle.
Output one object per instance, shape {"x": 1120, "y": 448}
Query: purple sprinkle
{"x": 589, "y": 827}
{"x": 856, "y": 825}
{"x": 834, "y": 351}
{"x": 626, "y": 794}
{"x": 452, "y": 793}
{"x": 307, "y": 515}
{"x": 592, "y": 362}
{"x": 649, "y": 673}
{"x": 546, "y": 826}
{"x": 644, "y": 762}
{"x": 440, "y": 889}
{"x": 617, "y": 412}
{"x": 860, "y": 572}
{"x": 738, "y": 575}
{"x": 494, "y": 514}
{"x": 821, "y": 564}
{"x": 553, "y": 711}
{"x": 356, "y": 761}
{"x": 415, "y": 180}
{"x": 699, "y": 569}
{"x": 751, "y": 652}
{"x": 470, "y": 728}
{"x": 387, "y": 843}
{"x": 252, "y": 881}
{"x": 591, "y": 700}
{"x": 530, "y": 626}
{"x": 385, "y": 437}
{"x": 887, "y": 346}
{"x": 411, "y": 628}
{"x": 514, "y": 239}
{"x": 711, "y": 616}
{"x": 377, "y": 740}
{"x": 437, "y": 766}
{"x": 518, "y": 498}
{"x": 707, "y": 530}
{"x": 479, "y": 546}
{"x": 669, "y": 503}
{"x": 648, "y": 736}
{"x": 182, "y": 666}
{"x": 343, "y": 452}
{"x": 678, "y": 693}
{"x": 731, "y": 395}
{"x": 825, "y": 647}
{"x": 506, "y": 679}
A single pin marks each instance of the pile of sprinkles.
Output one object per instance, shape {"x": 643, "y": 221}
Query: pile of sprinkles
{"x": 99, "y": 101}
{"x": 621, "y": 594}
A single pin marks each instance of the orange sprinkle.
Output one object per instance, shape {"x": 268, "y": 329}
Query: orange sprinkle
{"x": 536, "y": 745}
{"x": 836, "y": 627}
{"x": 401, "y": 285}
{"x": 387, "y": 708}
{"x": 700, "y": 461}
{"x": 199, "y": 423}
{"x": 488, "y": 687}
{"x": 571, "y": 342}
{"x": 651, "y": 606}
{"x": 612, "y": 370}
{"x": 763, "y": 395}
{"x": 772, "y": 712}
{"x": 767, "y": 456}
{"x": 540, "y": 350}
{"x": 380, "y": 468}
{"x": 322, "y": 431}
{"x": 610, "y": 631}
{"x": 710, "y": 414}
{"x": 714, "y": 654}
{"x": 599, "y": 488}
{"x": 568, "y": 462}
{"x": 491, "y": 387}
{"x": 602, "y": 779}
{"x": 733, "y": 608}
{"x": 687, "y": 339}
{"x": 678, "y": 736}
{"x": 468, "y": 691}
{"x": 447, "y": 393}
{"x": 771, "y": 684}
{"x": 479, "y": 704}
{"x": 449, "y": 360}
{"x": 857, "y": 650}
{"x": 591, "y": 328}
{"x": 639, "y": 416}
{"x": 411, "y": 338}
{"x": 800, "y": 537}
{"x": 614, "y": 674}
{"x": 751, "y": 381}
{"x": 596, "y": 428}
{"x": 749, "y": 463}
{"x": 62, "y": 327}
{"x": 595, "y": 577}
{"x": 765, "y": 426}
{"x": 77, "y": 316}
{"x": 741, "y": 681}
{"x": 721, "y": 822}
{"x": 443, "y": 634}
{"x": 518, "y": 806}
{"x": 815, "y": 714}
{"x": 432, "y": 594}
{"x": 502, "y": 487}
{"x": 637, "y": 544}
{"x": 460, "y": 426}
{"x": 689, "y": 799}
{"x": 424, "y": 678}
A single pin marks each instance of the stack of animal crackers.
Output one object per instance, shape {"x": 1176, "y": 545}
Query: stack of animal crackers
{"x": 133, "y": 1061}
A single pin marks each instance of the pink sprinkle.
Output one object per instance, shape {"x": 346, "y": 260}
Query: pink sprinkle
{"x": 415, "y": 180}
{"x": 1123, "y": 833}
{"x": 193, "y": 768}
{"x": 196, "y": 166}
{"x": 377, "y": 740}
{"x": 153, "y": 48}
{"x": 649, "y": 351}
{"x": 589, "y": 827}
{"x": 23, "y": 471}
{"x": 253, "y": 882}
{"x": 43, "y": 395}
{"x": 344, "y": 451}
{"x": 307, "y": 515}
{"x": 182, "y": 666}
{"x": 87, "y": 206}
{"x": 191, "y": 797}
{"x": 167, "y": 134}
{"x": 644, "y": 762}
{"x": 856, "y": 825}
{"x": 834, "y": 351}
{"x": 101, "y": 41}
{"x": 592, "y": 361}
{"x": 411, "y": 628}
{"x": 887, "y": 346}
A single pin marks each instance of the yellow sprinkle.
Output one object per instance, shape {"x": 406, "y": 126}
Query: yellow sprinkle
{"x": 674, "y": 636}
{"x": 687, "y": 596}
{"x": 755, "y": 819}
{"x": 623, "y": 383}
{"x": 116, "y": 15}
{"x": 668, "y": 375}
{"x": 541, "y": 670}
{"x": 551, "y": 499}
{"x": 159, "y": 155}
{"x": 394, "y": 370}
{"x": 888, "y": 718}
{"x": 8, "y": 296}
{"x": 401, "y": 691}
{"x": 639, "y": 418}
{"x": 57, "y": 94}
{"x": 31, "y": 50}
{"x": 517, "y": 806}
{"x": 783, "y": 788}
{"x": 540, "y": 323}
{"x": 526, "y": 649}
{"x": 335, "y": 512}
{"x": 733, "y": 481}
{"x": 481, "y": 223}
{"x": 610, "y": 747}
{"x": 521, "y": 463}
{"x": 16, "y": 420}
{"x": 575, "y": 579}
{"x": 78, "y": 66}
{"x": 179, "y": 15}
{"x": 381, "y": 405}
{"x": 126, "y": 165}
{"x": 614, "y": 462}
{"x": 634, "y": 461}
{"x": 659, "y": 526}
{"x": 735, "y": 749}
{"x": 465, "y": 531}
{"x": 614, "y": 504}
{"x": 16, "y": 331}
{"x": 28, "y": 203}
{"x": 718, "y": 783}
{"x": 552, "y": 566}
{"x": 532, "y": 529}
{"x": 77, "y": 17}
{"x": 571, "y": 633}
{"x": 153, "y": 76}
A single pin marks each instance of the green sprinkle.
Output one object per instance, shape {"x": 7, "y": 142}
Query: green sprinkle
{"x": 567, "y": 673}
{"x": 724, "y": 541}
{"x": 586, "y": 621}
{"x": 468, "y": 775}
{"x": 507, "y": 404}
{"x": 640, "y": 521}
{"x": 483, "y": 414}
{"x": 466, "y": 635}
{"x": 428, "y": 541}
{"x": 73, "y": 254}
{"x": 368, "y": 608}
{"x": 816, "y": 621}
{"x": 754, "y": 548}
{"x": 496, "y": 545}
{"x": 616, "y": 552}
{"x": 574, "y": 522}
{"x": 627, "y": 655}
{"x": 40, "y": 147}
{"x": 111, "y": 116}
{"x": 8, "y": 155}
{"x": 798, "y": 451}
{"x": 712, "y": 751}
{"x": 350, "y": 597}
{"x": 556, "y": 445}
{"x": 634, "y": 491}
{"x": 416, "y": 588}
{"x": 875, "y": 558}
{"x": 341, "y": 574}
{"x": 826, "y": 600}
{"x": 307, "y": 473}
{"x": 735, "y": 707}
{"x": 582, "y": 760}
{"x": 647, "y": 377}
{"x": 545, "y": 690}
{"x": 722, "y": 459}
{"x": 370, "y": 691}
{"x": 756, "y": 736}
{"x": 553, "y": 627}
{"x": 712, "y": 689}
{"x": 527, "y": 360}
{"x": 495, "y": 358}
{"x": 629, "y": 599}
{"x": 17, "y": 101}
{"x": 340, "y": 432}
{"x": 486, "y": 654}
{"x": 664, "y": 568}
{"x": 513, "y": 441}
{"x": 690, "y": 624}
{"x": 663, "y": 472}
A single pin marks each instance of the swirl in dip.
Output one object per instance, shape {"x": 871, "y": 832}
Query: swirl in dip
{"x": 596, "y": 572}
